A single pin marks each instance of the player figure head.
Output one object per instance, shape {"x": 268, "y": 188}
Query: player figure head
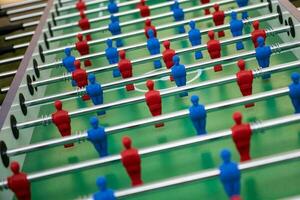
{"x": 211, "y": 35}
{"x": 68, "y": 51}
{"x": 166, "y": 44}
{"x": 192, "y": 24}
{"x": 77, "y": 64}
{"x": 260, "y": 41}
{"x": 80, "y": 37}
{"x": 176, "y": 60}
{"x": 195, "y": 100}
{"x": 82, "y": 15}
{"x": 150, "y": 85}
{"x": 94, "y": 122}
{"x": 113, "y": 18}
{"x": 255, "y": 25}
{"x": 216, "y": 7}
{"x": 148, "y": 22}
{"x": 176, "y": 5}
{"x": 142, "y": 2}
{"x": 150, "y": 33}
{"x": 92, "y": 78}
{"x": 233, "y": 15}
{"x": 295, "y": 77}
{"x": 101, "y": 183}
{"x": 109, "y": 43}
{"x": 111, "y": 1}
{"x": 122, "y": 54}
{"x": 58, "y": 105}
{"x": 126, "y": 142}
{"x": 15, "y": 167}
{"x": 241, "y": 64}
{"x": 225, "y": 155}
{"x": 237, "y": 117}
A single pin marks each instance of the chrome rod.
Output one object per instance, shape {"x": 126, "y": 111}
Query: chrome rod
{"x": 27, "y": 16}
{"x": 158, "y": 148}
{"x": 89, "y": 3}
{"x": 28, "y": 8}
{"x": 12, "y": 5}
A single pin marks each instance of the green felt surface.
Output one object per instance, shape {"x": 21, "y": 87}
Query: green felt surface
{"x": 267, "y": 183}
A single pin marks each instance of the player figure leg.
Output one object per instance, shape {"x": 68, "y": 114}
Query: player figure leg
{"x": 200, "y": 125}
{"x": 135, "y": 176}
{"x": 66, "y": 131}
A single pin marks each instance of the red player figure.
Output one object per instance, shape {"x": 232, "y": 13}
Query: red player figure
{"x": 144, "y": 9}
{"x": 148, "y": 26}
{"x": 83, "y": 48}
{"x": 206, "y": 11}
{"x": 256, "y": 33}
{"x": 153, "y": 100}
{"x": 218, "y": 18}
{"x": 18, "y": 182}
{"x": 84, "y": 24}
{"x": 241, "y": 135}
{"x": 214, "y": 49}
{"x": 80, "y": 5}
{"x": 131, "y": 160}
{"x": 244, "y": 80}
{"x": 80, "y": 77}
{"x": 125, "y": 68}
{"x": 168, "y": 56}
{"x": 62, "y": 121}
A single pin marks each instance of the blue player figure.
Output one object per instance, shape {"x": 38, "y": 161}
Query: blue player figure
{"x": 115, "y": 29}
{"x": 198, "y": 115}
{"x": 112, "y": 7}
{"x": 230, "y": 175}
{"x": 195, "y": 38}
{"x": 243, "y": 3}
{"x": 263, "y": 54}
{"x": 104, "y": 193}
{"x": 68, "y": 63}
{"x": 153, "y": 46}
{"x": 179, "y": 74}
{"x": 294, "y": 91}
{"x": 95, "y": 92}
{"x": 112, "y": 55}
{"x": 97, "y": 136}
{"x": 236, "y": 28}
{"x": 178, "y": 15}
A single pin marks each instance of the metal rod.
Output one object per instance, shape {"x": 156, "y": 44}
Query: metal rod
{"x": 205, "y": 84}
{"x": 27, "y": 16}
{"x": 12, "y": 5}
{"x": 89, "y": 3}
{"x": 25, "y": 9}
{"x": 68, "y": 76}
{"x": 158, "y": 148}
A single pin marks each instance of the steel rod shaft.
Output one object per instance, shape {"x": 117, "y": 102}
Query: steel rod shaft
{"x": 12, "y": 5}
{"x": 28, "y": 8}
{"x": 158, "y": 148}
{"x": 27, "y": 16}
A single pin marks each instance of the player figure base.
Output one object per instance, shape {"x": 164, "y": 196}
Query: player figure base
{"x": 206, "y": 12}
{"x": 102, "y": 112}
{"x": 221, "y": 34}
{"x": 249, "y": 105}
{"x": 87, "y": 63}
{"x": 116, "y": 73}
{"x": 88, "y": 37}
{"x": 68, "y": 145}
{"x": 235, "y": 197}
{"x": 85, "y": 97}
{"x": 157, "y": 64}
{"x": 159, "y": 125}
{"x": 171, "y": 78}
{"x": 198, "y": 55}
{"x": 239, "y": 46}
{"x": 130, "y": 87}
{"x": 218, "y": 68}
{"x": 183, "y": 94}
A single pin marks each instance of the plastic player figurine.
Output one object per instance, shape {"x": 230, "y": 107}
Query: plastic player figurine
{"x": 195, "y": 38}
{"x": 83, "y": 48}
{"x": 144, "y": 9}
{"x": 112, "y": 7}
{"x": 80, "y": 5}
{"x": 131, "y": 160}
{"x": 18, "y": 182}
{"x": 115, "y": 29}
{"x": 218, "y": 18}
{"x": 153, "y": 47}
{"x": 230, "y": 175}
{"x": 80, "y": 77}
{"x": 198, "y": 115}
{"x": 168, "y": 55}
{"x": 236, "y": 28}
{"x": 95, "y": 92}
{"x": 178, "y": 15}
{"x": 179, "y": 74}
{"x": 263, "y": 54}
{"x": 84, "y": 24}
{"x": 112, "y": 56}
{"x": 153, "y": 100}
{"x": 241, "y": 135}
{"x": 294, "y": 91}
{"x": 256, "y": 33}
{"x": 244, "y": 80}
{"x": 125, "y": 68}
{"x": 242, "y": 3}
{"x": 148, "y": 26}
{"x": 98, "y": 137}
{"x": 214, "y": 49}
{"x": 68, "y": 61}
{"x": 62, "y": 121}
{"x": 104, "y": 193}
{"x": 206, "y": 10}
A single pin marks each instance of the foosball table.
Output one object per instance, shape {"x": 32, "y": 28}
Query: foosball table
{"x": 144, "y": 99}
